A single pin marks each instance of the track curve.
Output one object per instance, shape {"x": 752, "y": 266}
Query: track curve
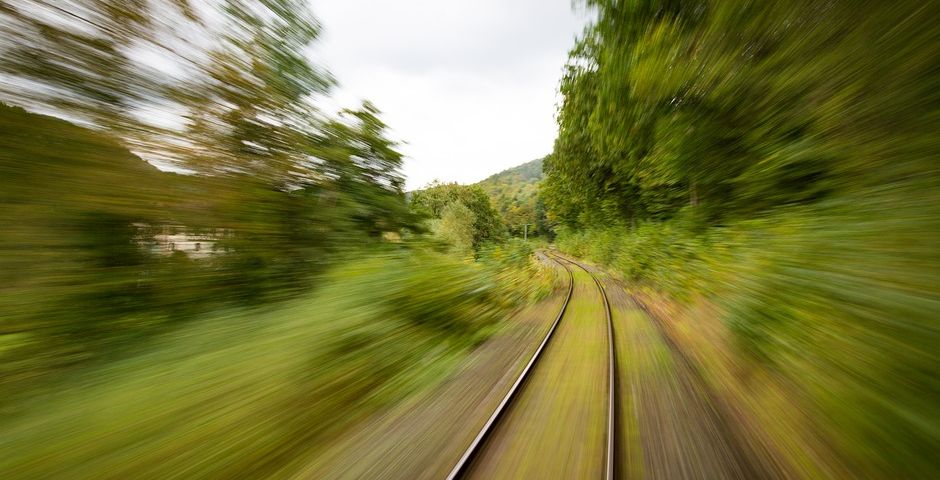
{"x": 463, "y": 465}
{"x": 611, "y": 374}
{"x": 478, "y": 441}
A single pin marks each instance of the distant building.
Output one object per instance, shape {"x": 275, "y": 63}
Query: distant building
{"x": 173, "y": 238}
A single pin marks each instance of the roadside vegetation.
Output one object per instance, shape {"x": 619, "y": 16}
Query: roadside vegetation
{"x": 778, "y": 163}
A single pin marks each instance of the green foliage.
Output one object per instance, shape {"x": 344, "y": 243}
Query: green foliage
{"x": 98, "y": 247}
{"x": 739, "y": 108}
{"x": 513, "y": 260}
{"x": 826, "y": 296}
{"x": 780, "y": 160}
{"x": 432, "y": 203}
{"x": 83, "y": 263}
{"x": 514, "y": 193}
{"x": 456, "y": 227}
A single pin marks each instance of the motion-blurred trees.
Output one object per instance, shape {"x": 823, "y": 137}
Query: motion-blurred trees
{"x": 780, "y": 159}
{"x": 456, "y": 227}
{"x": 263, "y": 189}
{"x": 739, "y": 107}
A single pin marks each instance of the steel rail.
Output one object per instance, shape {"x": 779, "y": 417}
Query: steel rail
{"x": 609, "y": 466}
{"x": 468, "y": 455}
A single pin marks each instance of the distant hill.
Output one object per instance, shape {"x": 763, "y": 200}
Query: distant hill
{"x": 514, "y": 193}
{"x": 529, "y": 172}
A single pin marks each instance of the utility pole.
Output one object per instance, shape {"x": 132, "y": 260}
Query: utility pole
{"x": 525, "y": 236}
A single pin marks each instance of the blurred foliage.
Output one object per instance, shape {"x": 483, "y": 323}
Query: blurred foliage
{"x": 257, "y": 393}
{"x": 87, "y": 252}
{"x": 475, "y": 220}
{"x": 741, "y": 107}
{"x": 780, "y": 159}
{"x": 514, "y": 193}
{"x": 456, "y": 227}
{"x": 512, "y": 260}
{"x": 260, "y": 191}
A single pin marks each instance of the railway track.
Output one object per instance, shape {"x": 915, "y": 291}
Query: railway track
{"x": 462, "y": 466}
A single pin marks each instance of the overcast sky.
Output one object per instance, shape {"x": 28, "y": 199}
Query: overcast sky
{"x": 470, "y": 85}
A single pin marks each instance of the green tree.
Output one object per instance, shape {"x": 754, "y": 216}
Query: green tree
{"x": 456, "y": 227}
{"x": 431, "y": 202}
{"x": 275, "y": 184}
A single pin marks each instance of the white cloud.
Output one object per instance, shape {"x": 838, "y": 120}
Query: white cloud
{"x": 470, "y": 85}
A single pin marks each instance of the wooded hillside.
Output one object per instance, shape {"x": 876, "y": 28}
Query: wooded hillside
{"x": 514, "y": 193}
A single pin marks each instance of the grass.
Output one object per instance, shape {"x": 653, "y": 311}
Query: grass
{"x": 254, "y": 392}
{"x": 834, "y": 305}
